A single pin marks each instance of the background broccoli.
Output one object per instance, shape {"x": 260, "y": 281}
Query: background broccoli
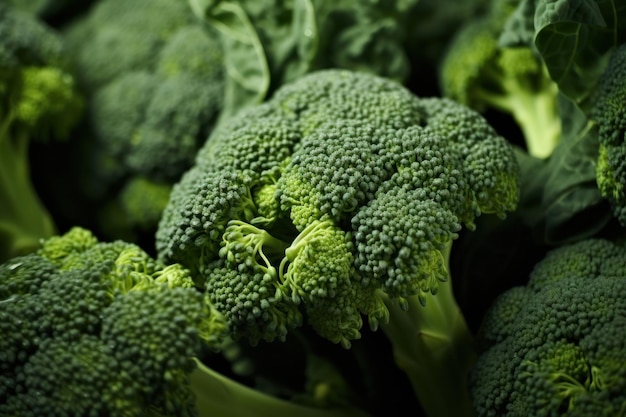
{"x": 152, "y": 74}
{"x": 340, "y": 197}
{"x": 556, "y": 346}
{"x": 38, "y": 102}
{"x": 609, "y": 112}
{"x": 101, "y": 327}
{"x": 480, "y": 72}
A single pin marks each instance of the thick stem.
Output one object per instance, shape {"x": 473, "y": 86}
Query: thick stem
{"x": 24, "y": 220}
{"x": 536, "y": 114}
{"x": 434, "y": 347}
{"x": 218, "y": 395}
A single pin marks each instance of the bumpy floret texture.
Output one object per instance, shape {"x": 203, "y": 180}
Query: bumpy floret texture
{"x": 343, "y": 185}
{"x": 99, "y": 328}
{"x": 556, "y": 346}
{"x": 609, "y": 110}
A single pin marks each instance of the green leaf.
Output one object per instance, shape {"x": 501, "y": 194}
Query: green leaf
{"x": 574, "y": 38}
{"x": 248, "y": 75}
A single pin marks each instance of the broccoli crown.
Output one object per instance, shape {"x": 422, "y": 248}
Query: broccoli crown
{"x": 556, "y": 346}
{"x": 609, "y": 111}
{"x": 341, "y": 186}
{"x": 153, "y": 76}
{"x": 99, "y": 328}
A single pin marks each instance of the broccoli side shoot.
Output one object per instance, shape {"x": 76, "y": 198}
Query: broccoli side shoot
{"x": 482, "y": 74}
{"x": 609, "y": 112}
{"x": 556, "y": 346}
{"x": 38, "y": 101}
{"x": 335, "y": 200}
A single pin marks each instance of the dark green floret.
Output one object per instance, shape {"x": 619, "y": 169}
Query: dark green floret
{"x": 99, "y": 327}
{"x": 556, "y": 346}
{"x": 609, "y": 112}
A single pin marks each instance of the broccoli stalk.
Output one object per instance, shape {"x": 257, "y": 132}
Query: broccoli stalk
{"x": 42, "y": 102}
{"x": 237, "y": 400}
{"x": 434, "y": 347}
{"x": 23, "y": 218}
{"x": 478, "y": 72}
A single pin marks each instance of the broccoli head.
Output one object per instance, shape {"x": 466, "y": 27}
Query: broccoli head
{"x": 152, "y": 74}
{"x": 339, "y": 196}
{"x": 556, "y": 346}
{"x": 482, "y": 74}
{"x": 102, "y": 328}
{"x": 99, "y": 327}
{"x": 39, "y": 101}
{"x": 609, "y": 112}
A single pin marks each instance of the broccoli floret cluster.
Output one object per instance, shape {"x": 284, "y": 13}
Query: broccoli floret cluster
{"x": 39, "y": 101}
{"x": 482, "y": 73}
{"x": 341, "y": 186}
{"x": 153, "y": 75}
{"x": 99, "y": 328}
{"x": 609, "y": 112}
{"x": 556, "y": 346}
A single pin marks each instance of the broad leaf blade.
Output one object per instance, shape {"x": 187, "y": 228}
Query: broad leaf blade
{"x": 574, "y": 37}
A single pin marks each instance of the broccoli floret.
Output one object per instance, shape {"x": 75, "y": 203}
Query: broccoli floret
{"x": 609, "y": 112}
{"x": 102, "y": 328}
{"x": 556, "y": 346}
{"x": 340, "y": 198}
{"x": 153, "y": 76}
{"x": 482, "y": 74}
{"x": 38, "y": 102}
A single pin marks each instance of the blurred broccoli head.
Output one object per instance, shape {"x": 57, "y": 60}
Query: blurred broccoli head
{"x": 39, "y": 101}
{"x": 609, "y": 111}
{"x": 342, "y": 187}
{"x": 153, "y": 76}
{"x": 478, "y": 71}
{"x": 556, "y": 346}
{"x": 99, "y": 327}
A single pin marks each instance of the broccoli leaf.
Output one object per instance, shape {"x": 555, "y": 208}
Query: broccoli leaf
{"x": 560, "y": 200}
{"x": 573, "y": 38}
{"x": 248, "y": 75}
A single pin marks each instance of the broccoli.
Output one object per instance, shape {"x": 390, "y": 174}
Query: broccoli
{"x": 482, "y": 74}
{"x": 38, "y": 102}
{"x": 152, "y": 74}
{"x": 608, "y": 111}
{"x": 555, "y": 346}
{"x": 340, "y": 198}
{"x": 101, "y": 328}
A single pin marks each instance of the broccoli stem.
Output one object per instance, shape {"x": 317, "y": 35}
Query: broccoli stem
{"x": 218, "y": 395}
{"x": 434, "y": 347}
{"x": 536, "y": 114}
{"x": 24, "y": 220}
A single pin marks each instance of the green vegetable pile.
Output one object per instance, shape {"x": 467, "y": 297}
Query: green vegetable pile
{"x": 274, "y": 208}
